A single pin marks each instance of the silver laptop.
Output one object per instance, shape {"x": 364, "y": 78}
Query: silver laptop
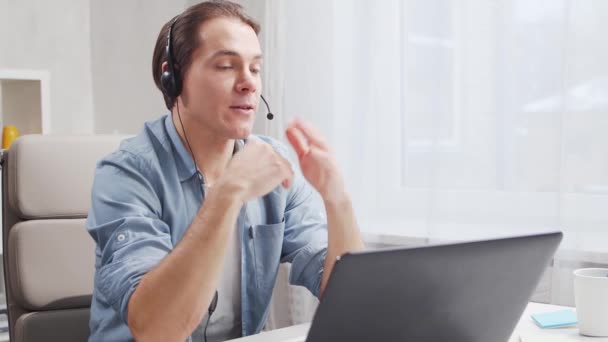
{"x": 461, "y": 292}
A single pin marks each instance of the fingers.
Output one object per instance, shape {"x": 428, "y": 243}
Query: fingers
{"x": 287, "y": 172}
{"x": 279, "y": 167}
{"x": 298, "y": 141}
{"x": 312, "y": 135}
{"x": 270, "y": 165}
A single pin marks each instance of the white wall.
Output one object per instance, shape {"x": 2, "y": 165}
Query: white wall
{"x": 53, "y": 36}
{"x": 123, "y": 34}
{"x": 99, "y": 55}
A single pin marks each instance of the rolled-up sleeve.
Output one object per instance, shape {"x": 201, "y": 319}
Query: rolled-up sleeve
{"x": 124, "y": 220}
{"x": 305, "y": 239}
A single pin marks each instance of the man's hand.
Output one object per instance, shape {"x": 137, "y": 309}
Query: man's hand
{"x": 255, "y": 171}
{"x": 320, "y": 169}
{"x": 316, "y": 160}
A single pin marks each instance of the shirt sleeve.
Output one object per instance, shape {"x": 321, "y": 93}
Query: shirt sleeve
{"x": 124, "y": 220}
{"x": 305, "y": 239}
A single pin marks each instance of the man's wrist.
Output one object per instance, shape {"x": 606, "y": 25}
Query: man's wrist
{"x": 336, "y": 199}
{"x": 229, "y": 192}
{"x": 222, "y": 200}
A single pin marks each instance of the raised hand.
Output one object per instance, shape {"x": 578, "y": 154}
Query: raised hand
{"x": 255, "y": 171}
{"x": 316, "y": 159}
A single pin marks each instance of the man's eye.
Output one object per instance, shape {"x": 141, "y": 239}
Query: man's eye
{"x": 224, "y": 67}
{"x": 255, "y": 71}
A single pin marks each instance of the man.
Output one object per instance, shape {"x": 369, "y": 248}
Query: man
{"x": 195, "y": 203}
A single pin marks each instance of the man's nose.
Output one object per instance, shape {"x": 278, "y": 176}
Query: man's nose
{"x": 247, "y": 83}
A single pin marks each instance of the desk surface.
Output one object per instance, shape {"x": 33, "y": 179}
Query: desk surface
{"x": 525, "y": 326}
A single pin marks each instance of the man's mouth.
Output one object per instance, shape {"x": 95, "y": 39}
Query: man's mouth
{"x": 243, "y": 109}
{"x": 245, "y": 106}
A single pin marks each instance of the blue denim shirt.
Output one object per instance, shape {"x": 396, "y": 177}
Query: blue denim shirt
{"x": 144, "y": 198}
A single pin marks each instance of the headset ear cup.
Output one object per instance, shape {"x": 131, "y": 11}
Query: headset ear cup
{"x": 167, "y": 82}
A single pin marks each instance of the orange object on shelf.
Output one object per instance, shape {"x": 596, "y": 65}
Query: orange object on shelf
{"x": 9, "y": 134}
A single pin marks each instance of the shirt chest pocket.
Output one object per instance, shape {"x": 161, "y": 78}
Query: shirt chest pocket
{"x": 267, "y": 244}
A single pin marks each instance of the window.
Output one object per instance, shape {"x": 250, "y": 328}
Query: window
{"x": 459, "y": 119}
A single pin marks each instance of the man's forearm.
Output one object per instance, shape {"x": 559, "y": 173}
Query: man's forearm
{"x": 173, "y": 297}
{"x": 343, "y": 233}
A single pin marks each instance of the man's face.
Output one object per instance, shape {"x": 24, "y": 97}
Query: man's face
{"x": 223, "y": 85}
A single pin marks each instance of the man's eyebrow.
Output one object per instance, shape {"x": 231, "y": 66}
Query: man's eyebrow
{"x": 232, "y": 54}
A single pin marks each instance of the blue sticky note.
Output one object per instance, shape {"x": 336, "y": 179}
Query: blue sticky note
{"x": 556, "y": 319}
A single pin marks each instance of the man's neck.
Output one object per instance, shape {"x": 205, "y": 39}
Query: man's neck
{"x": 211, "y": 151}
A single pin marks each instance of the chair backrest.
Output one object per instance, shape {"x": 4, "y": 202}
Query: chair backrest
{"x": 49, "y": 258}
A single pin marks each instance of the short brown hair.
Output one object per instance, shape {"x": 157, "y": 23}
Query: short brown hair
{"x": 185, "y": 38}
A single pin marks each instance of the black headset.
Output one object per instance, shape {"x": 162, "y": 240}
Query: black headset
{"x": 170, "y": 79}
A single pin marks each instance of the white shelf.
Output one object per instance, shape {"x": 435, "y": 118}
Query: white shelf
{"x": 25, "y": 100}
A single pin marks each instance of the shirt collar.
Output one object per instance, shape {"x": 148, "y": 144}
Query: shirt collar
{"x": 185, "y": 164}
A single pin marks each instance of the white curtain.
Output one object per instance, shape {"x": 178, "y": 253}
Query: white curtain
{"x": 456, "y": 120}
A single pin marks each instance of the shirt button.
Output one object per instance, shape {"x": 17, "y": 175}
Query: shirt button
{"x": 121, "y": 237}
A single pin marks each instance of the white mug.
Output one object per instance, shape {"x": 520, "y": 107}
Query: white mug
{"x": 591, "y": 297}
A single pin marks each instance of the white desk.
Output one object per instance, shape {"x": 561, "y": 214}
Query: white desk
{"x": 525, "y": 326}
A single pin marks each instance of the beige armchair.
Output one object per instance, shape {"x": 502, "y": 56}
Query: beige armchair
{"x": 49, "y": 258}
